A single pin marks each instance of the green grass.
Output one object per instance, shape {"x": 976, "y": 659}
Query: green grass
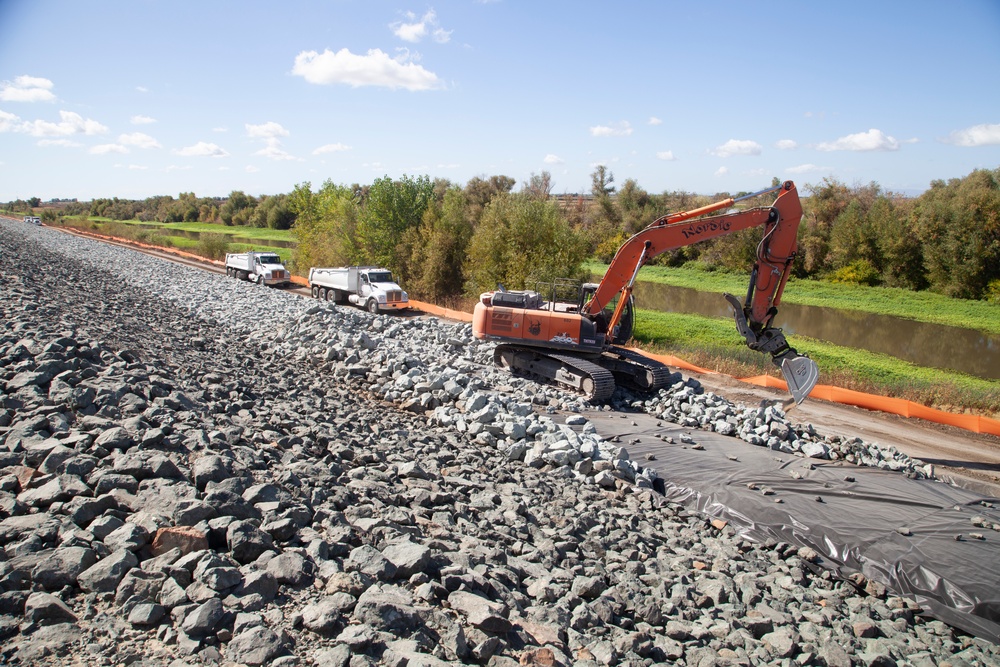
{"x": 918, "y": 306}
{"x": 253, "y": 233}
{"x": 715, "y": 345}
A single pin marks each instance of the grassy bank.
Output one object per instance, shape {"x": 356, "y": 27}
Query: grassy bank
{"x": 714, "y": 344}
{"x": 906, "y": 304}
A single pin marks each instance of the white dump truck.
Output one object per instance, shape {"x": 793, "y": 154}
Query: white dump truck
{"x": 263, "y": 268}
{"x": 369, "y": 287}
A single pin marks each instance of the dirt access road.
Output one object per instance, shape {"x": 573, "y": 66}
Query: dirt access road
{"x": 970, "y": 460}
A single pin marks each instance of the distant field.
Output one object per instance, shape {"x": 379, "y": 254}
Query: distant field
{"x": 255, "y": 233}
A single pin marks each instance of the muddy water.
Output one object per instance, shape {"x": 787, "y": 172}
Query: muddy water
{"x": 923, "y": 344}
{"x": 233, "y": 239}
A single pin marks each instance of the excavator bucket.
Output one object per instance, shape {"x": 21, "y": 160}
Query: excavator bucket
{"x": 801, "y": 374}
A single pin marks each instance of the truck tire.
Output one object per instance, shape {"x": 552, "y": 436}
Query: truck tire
{"x": 322, "y": 293}
{"x": 373, "y": 306}
{"x": 315, "y": 292}
{"x": 331, "y": 295}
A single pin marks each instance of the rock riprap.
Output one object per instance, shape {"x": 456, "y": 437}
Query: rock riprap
{"x": 196, "y": 470}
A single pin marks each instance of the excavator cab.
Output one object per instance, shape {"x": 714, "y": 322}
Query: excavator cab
{"x": 623, "y": 332}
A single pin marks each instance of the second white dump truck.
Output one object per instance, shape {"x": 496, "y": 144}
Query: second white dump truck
{"x": 264, "y": 268}
{"x": 369, "y": 287}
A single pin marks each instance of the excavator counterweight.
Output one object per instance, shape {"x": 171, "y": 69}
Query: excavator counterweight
{"x": 579, "y": 344}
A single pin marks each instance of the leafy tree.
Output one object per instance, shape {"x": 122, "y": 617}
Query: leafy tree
{"x": 34, "y": 202}
{"x": 479, "y": 192}
{"x": 519, "y": 241}
{"x": 959, "y": 225}
{"x": 391, "y": 208}
{"x": 238, "y": 208}
{"x": 325, "y": 225}
{"x": 439, "y": 247}
{"x": 539, "y": 186}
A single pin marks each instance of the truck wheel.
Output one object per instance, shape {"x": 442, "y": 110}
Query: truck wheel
{"x": 331, "y": 295}
{"x": 315, "y": 292}
{"x": 373, "y": 306}
{"x": 322, "y": 293}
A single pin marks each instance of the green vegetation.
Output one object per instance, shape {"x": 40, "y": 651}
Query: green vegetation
{"x": 893, "y": 301}
{"x": 714, "y": 344}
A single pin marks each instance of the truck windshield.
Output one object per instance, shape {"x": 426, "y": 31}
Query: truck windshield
{"x": 380, "y": 277}
{"x": 270, "y": 259}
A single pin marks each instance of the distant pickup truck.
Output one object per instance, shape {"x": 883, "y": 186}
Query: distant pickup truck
{"x": 263, "y": 268}
{"x": 369, "y": 287}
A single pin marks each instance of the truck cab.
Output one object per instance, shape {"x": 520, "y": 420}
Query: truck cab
{"x": 264, "y": 268}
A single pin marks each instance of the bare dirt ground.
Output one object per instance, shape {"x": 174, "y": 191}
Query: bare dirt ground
{"x": 970, "y": 460}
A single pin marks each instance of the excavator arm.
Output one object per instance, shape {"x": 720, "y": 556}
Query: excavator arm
{"x": 767, "y": 279}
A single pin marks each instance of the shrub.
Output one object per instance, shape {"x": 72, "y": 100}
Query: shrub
{"x": 858, "y": 272}
{"x": 213, "y": 246}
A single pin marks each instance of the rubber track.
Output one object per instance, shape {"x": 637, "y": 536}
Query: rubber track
{"x": 603, "y": 379}
{"x": 661, "y": 372}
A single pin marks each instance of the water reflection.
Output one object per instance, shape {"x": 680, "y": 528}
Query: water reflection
{"x": 924, "y": 344}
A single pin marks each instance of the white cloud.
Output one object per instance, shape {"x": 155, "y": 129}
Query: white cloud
{"x": 872, "y": 140}
{"x": 139, "y": 140}
{"x": 9, "y": 122}
{"x": 139, "y": 119}
{"x": 737, "y": 147}
{"x": 375, "y": 68}
{"x": 786, "y": 145}
{"x": 178, "y": 167}
{"x": 806, "y": 169}
{"x": 666, "y": 155}
{"x": 977, "y": 135}
{"x": 137, "y": 167}
{"x": 104, "y": 149}
{"x": 416, "y": 30}
{"x": 27, "y": 89}
{"x": 142, "y": 89}
{"x": 71, "y": 123}
{"x": 653, "y": 120}
{"x": 721, "y": 171}
{"x": 622, "y": 129}
{"x": 250, "y": 169}
{"x": 274, "y": 151}
{"x": 63, "y": 143}
{"x": 331, "y": 148}
{"x": 553, "y": 159}
{"x": 202, "y": 149}
{"x": 267, "y": 130}
{"x": 220, "y": 129}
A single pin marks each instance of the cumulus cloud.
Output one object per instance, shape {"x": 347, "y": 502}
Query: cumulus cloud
{"x": 806, "y": 169}
{"x": 666, "y": 155}
{"x": 27, "y": 89}
{"x": 202, "y": 149}
{"x": 414, "y": 30}
{"x": 9, "y": 122}
{"x": 274, "y": 151}
{"x": 139, "y": 119}
{"x": 977, "y": 135}
{"x": 71, "y": 123}
{"x": 104, "y": 149}
{"x": 737, "y": 147}
{"x": 267, "y": 130}
{"x": 872, "y": 140}
{"x": 139, "y": 140}
{"x": 62, "y": 143}
{"x": 622, "y": 129}
{"x": 331, "y": 148}
{"x": 786, "y": 145}
{"x": 376, "y": 68}
{"x": 721, "y": 171}
{"x": 553, "y": 159}
{"x": 653, "y": 120}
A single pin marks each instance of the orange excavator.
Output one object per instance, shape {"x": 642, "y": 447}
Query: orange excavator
{"x": 578, "y": 342}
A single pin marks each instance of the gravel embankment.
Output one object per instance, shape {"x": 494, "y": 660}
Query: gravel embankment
{"x": 196, "y": 470}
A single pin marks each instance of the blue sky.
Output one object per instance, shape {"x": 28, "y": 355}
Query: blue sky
{"x": 149, "y": 97}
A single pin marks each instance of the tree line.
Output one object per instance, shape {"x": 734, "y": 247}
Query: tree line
{"x": 446, "y": 240}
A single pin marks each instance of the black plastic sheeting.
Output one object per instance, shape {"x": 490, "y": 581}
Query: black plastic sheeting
{"x": 919, "y": 538}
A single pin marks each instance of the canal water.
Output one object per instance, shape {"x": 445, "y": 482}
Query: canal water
{"x": 933, "y": 345}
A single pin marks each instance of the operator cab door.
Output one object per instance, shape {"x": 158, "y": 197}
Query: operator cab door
{"x": 364, "y": 287}
{"x": 625, "y": 326}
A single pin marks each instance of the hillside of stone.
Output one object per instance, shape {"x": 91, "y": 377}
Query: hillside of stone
{"x": 196, "y": 470}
